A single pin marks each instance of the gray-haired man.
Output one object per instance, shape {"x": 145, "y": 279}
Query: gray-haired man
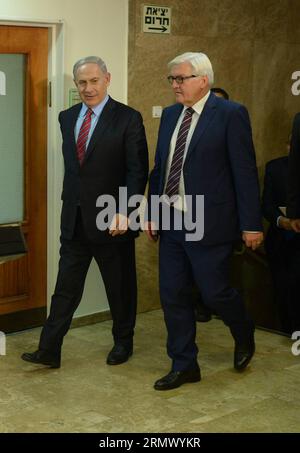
{"x": 104, "y": 148}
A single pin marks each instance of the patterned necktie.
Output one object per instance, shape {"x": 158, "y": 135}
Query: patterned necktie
{"x": 83, "y": 135}
{"x": 177, "y": 161}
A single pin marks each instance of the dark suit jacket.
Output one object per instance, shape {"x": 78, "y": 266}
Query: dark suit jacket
{"x": 220, "y": 164}
{"x": 275, "y": 189}
{"x": 116, "y": 156}
{"x": 293, "y": 208}
{"x": 275, "y": 195}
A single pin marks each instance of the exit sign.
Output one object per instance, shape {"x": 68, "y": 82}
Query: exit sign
{"x": 156, "y": 19}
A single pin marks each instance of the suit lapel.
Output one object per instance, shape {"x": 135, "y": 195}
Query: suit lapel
{"x": 101, "y": 126}
{"x": 71, "y": 120}
{"x": 204, "y": 120}
{"x": 170, "y": 124}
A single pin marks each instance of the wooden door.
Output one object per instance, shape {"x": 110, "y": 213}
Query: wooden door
{"x": 23, "y": 282}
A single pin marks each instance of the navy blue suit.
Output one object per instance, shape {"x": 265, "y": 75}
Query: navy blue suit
{"x": 220, "y": 164}
{"x": 282, "y": 246}
{"x": 293, "y": 206}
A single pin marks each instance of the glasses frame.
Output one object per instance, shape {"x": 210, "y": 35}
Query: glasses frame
{"x": 180, "y": 79}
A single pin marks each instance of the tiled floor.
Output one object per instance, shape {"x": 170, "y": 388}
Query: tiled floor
{"x": 86, "y": 395}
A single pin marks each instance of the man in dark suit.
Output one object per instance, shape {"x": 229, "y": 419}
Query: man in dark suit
{"x": 104, "y": 148}
{"x": 204, "y": 148}
{"x": 282, "y": 245}
{"x": 293, "y": 206}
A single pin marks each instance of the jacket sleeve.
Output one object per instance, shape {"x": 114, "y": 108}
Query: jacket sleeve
{"x": 136, "y": 156}
{"x": 244, "y": 170}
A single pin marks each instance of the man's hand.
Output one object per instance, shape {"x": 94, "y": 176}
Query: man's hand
{"x": 253, "y": 240}
{"x": 285, "y": 223}
{"x": 119, "y": 225}
{"x": 295, "y": 224}
{"x": 151, "y": 231}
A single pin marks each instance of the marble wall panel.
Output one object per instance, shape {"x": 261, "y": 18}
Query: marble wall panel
{"x": 195, "y": 18}
{"x": 271, "y": 19}
{"x": 293, "y": 21}
{"x": 274, "y": 104}
{"x": 236, "y": 18}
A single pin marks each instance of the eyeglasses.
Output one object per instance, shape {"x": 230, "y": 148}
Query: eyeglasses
{"x": 179, "y": 79}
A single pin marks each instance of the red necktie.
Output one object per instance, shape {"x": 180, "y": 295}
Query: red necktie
{"x": 83, "y": 135}
{"x": 177, "y": 160}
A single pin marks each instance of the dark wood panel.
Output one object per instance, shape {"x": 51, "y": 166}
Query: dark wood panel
{"x": 21, "y": 320}
{"x": 14, "y": 279}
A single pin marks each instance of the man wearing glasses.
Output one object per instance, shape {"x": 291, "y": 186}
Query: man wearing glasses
{"x": 204, "y": 148}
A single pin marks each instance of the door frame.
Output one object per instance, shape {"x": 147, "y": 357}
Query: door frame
{"x": 54, "y": 156}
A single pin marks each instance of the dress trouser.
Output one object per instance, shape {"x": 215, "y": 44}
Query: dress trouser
{"x": 116, "y": 262}
{"x": 284, "y": 262}
{"x": 209, "y": 267}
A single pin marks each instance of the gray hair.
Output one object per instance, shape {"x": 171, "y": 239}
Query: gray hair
{"x": 200, "y": 63}
{"x": 91, "y": 59}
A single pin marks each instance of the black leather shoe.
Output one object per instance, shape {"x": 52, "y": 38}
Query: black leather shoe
{"x": 42, "y": 358}
{"x": 243, "y": 353}
{"x": 118, "y": 354}
{"x": 176, "y": 378}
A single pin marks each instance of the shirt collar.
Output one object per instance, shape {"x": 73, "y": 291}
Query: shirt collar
{"x": 199, "y": 106}
{"x": 96, "y": 110}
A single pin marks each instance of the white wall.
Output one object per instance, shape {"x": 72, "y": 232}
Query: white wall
{"x": 90, "y": 27}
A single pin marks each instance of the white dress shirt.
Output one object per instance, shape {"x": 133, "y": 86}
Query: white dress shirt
{"x": 180, "y": 203}
{"x": 94, "y": 118}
